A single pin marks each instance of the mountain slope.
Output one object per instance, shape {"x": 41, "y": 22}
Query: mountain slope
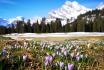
{"x": 70, "y": 10}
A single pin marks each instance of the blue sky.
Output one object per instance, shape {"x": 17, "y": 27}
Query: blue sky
{"x": 33, "y": 8}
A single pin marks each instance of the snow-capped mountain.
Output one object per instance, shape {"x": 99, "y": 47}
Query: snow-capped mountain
{"x": 3, "y": 22}
{"x": 18, "y": 18}
{"x": 70, "y": 10}
{"x": 100, "y": 6}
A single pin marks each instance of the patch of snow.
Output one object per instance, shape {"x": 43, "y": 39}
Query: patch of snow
{"x": 35, "y": 35}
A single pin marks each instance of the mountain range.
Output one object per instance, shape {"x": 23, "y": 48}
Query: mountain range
{"x": 69, "y": 10}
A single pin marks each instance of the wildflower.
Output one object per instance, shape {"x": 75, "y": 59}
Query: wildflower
{"x": 57, "y": 53}
{"x": 86, "y": 55}
{"x": 65, "y": 53}
{"x": 4, "y": 52}
{"x": 63, "y": 49}
{"x": 61, "y": 64}
{"x": 24, "y": 57}
{"x": 78, "y": 53}
{"x": 46, "y": 63}
{"x": 53, "y": 54}
{"x": 78, "y": 58}
{"x": 72, "y": 55}
{"x": 70, "y": 66}
{"x": 25, "y": 44}
{"x": 81, "y": 56}
{"x": 60, "y": 54}
{"x": 48, "y": 59}
{"x": 88, "y": 45}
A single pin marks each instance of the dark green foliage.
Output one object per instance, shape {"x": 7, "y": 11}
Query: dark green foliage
{"x": 2, "y": 30}
{"x": 20, "y": 27}
{"x": 35, "y": 27}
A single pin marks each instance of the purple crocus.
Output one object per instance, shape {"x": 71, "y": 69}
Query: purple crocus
{"x": 48, "y": 59}
{"x": 46, "y": 63}
{"x": 61, "y": 64}
{"x": 70, "y": 66}
{"x": 4, "y": 52}
{"x": 77, "y": 58}
{"x": 65, "y": 53}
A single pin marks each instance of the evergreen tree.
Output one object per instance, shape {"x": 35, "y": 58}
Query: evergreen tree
{"x": 2, "y": 30}
{"x": 20, "y": 27}
{"x": 43, "y": 25}
{"x": 35, "y": 27}
{"x": 80, "y": 25}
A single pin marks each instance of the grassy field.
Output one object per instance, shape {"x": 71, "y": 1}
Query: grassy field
{"x": 68, "y": 38}
{"x": 62, "y": 38}
{"x": 37, "y": 54}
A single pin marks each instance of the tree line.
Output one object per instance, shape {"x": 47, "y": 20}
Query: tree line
{"x": 92, "y": 21}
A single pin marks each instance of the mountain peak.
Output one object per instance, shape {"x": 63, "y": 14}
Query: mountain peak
{"x": 69, "y": 10}
{"x": 69, "y": 2}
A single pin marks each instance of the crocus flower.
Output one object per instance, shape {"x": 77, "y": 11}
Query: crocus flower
{"x": 4, "y": 52}
{"x": 78, "y": 53}
{"x": 48, "y": 59}
{"x": 46, "y": 63}
{"x": 81, "y": 56}
{"x": 61, "y": 64}
{"x": 77, "y": 58}
{"x": 86, "y": 55}
{"x": 63, "y": 49}
{"x": 65, "y": 53}
{"x": 70, "y": 66}
{"x": 88, "y": 45}
{"x": 72, "y": 54}
{"x": 24, "y": 57}
{"x": 53, "y": 54}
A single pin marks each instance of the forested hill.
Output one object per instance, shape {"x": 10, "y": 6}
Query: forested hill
{"x": 92, "y": 21}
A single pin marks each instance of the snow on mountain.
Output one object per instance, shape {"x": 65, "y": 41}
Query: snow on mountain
{"x": 100, "y": 6}
{"x": 70, "y": 10}
{"x": 35, "y": 19}
{"x": 3, "y": 22}
{"x": 12, "y": 20}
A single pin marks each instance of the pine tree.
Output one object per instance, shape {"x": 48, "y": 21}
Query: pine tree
{"x": 35, "y": 27}
{"x": 20, "y": 27}
{"x": 29, "y": 28}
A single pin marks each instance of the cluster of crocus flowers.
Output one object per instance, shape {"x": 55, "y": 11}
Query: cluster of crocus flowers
{"x": 65, "y": 53}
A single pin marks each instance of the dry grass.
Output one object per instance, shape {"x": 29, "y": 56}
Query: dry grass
{"x": 68, "y": 38}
